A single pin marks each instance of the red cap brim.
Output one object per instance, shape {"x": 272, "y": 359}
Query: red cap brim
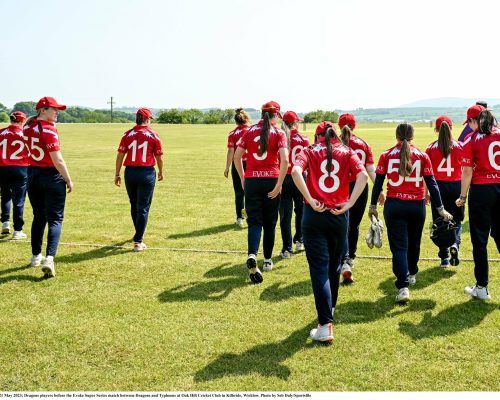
{"x": 466, "y": 121}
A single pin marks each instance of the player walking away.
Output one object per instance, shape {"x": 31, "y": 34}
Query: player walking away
{"x": 14, "y": 170}
{"x": 467, "y": 129}
{"x": 406, "y": 168}
{"x": 48, "y": 178}
{"x": 267, "y": 163}
{"x": 481, "y": 178}
{"x": 142, "y": 148}
{"x": 6, "y": 205}
{"x": 328, "y": 164}
{"x": 242, "y": 120}
{"x": 347, "y": 123}
{"x": 290, "y": 195}
{"x": 446, "y": 155}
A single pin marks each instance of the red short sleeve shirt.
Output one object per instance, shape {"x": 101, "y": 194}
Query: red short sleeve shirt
{"x": 13, "y": 150}
{"x": 266, "y": 165}
{"x": 42, "y": 139}
{"x": 141, "y": 144}
{"x": 362, "y": 150}
{"x": 332, "y": 188}
{"x": 449, "y": 168}
{"x": 234, "y": 138}
{"x": 405, "y": 188}
{"x": 298, "y": 142}
{"x": 482, "y": 153}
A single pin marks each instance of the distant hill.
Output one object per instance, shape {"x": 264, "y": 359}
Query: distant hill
{"x": 448, "y": 102}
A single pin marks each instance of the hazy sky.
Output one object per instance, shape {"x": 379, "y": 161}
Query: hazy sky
{"x": 228, "y": 53}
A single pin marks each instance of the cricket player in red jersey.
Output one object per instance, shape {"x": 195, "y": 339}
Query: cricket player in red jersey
{"x": 406, "y": 168}
{"x": 267, "y": 163}
{"x": 481, "y": 178}
{"x": 14, "y": 168}
{"x": 48, "y": 178}
{"x": 328, "y": 164}
{"x": 142, "y": 148}
{"x": 291, "y": 198}
{"x": 446, "y": 155}
{"x": 242, "y": 120}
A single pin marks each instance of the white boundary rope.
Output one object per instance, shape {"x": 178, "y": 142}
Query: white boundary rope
{"x": 214, "y": 251}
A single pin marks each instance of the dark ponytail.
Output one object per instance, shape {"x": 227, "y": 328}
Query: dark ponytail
{"x": 329, "y": 134}
{"x": 444, "y": 139}
{"x": 404, "y": 132}
{"x": 241, "y": 117}
{"x": 12, "y": 118}
{"x": 264, "y": 133}
{"x": 287, "y": 127}
{"x": 28, "y": 121}
{"x": 485, "y": 122}
{"x": 345, "y": 134}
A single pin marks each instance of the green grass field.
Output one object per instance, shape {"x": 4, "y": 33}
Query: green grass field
{"x": 191, "y": 321}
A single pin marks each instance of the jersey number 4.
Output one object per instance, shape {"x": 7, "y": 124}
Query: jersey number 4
{"x": 416, "y": 168}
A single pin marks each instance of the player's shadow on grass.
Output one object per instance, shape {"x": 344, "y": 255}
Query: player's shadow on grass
{"x": 95, "y": 253}
{"x": 215, "y": 290}
{"x": 450, "y": 321}
{"x": 280, "y": 291}
{"x": 16, "y": 278}
{"x": 205, "y": 232}
{"x": 266, "y": 359}
{"x": 8, "y": 271}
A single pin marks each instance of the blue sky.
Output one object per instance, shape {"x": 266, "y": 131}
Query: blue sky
{"x": 221, "y": 53}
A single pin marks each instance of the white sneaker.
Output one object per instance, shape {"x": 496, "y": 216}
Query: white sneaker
{"x": 48, "y": 267}
{"x": 5, "y": 228}
{"x": 254, "y": 271}
{"x": 240, "y": 222}
{"x": 346, "y": 273}
{"x": 268, "y": 265}
{"x": 403, "y": 295}
{"x": 139, "y": 246}
{"x": 478, "y": 292}
{"x": 445, "y": 263}
{"x": 323, "y": 333}
{"x": 299, "y": 246}
{"x": 285, "y": 254}
{"x": 36, "y": 260}
{"x": 19, "y": 235}
{"x": 412, "y": 279}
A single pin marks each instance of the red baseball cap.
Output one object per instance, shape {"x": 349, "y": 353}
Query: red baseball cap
{"x": 19, "y": 116}
{"x": 271, "y": 106}
{"x": 323, "y": 126}
{"x": 441, "y": 119}
{"x": 347, "y": 119}
{"x": 49, "y": 102}
{"x": 473, "y": 112}
{"x": 290, "y": 117}
{"x": 145, "y": 112}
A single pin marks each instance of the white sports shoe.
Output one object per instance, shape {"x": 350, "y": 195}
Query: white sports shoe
{"x": 403, "y": 295}
{"x": 48, "y": 267}
{"x": 36, "y": 260}
{"x": 5, "y": 228}
{"x": 285, "y": 254}
{"x": 254, "y": 271}
{"x": 346, "y": 273}
{"x": 323, "y": 333}
{"x": 478, "y": 292}
{"x": 19, "y": 235}
{"x": 412, "y": 279}
{"x": 240, "y": 222}
{"x": 299, "y": 246}
{"x": 268, "y": 265}
{"x": 140, "y": 246}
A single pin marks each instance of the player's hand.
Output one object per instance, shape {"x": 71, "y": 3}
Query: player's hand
{"x": 226, "y": 172}
{"x": 160, "y": 176}
{"x": 381, "y": 199}
{"x": 118, "y": 180}
{"x": 372, "y": 212}
{"x": 275, "y": 192}
{"x": 460, "y": 202}
{"x": 70, "y": 186}
{"x": 317, "y": 205}
{"x": 427, "y": 199}
{"x": 445, "y": 214}
{"x": 341, "y": 208}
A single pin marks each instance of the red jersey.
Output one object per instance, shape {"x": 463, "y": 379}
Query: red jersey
{"x": 13, "y": 151}
{"x": 234, "y": 138}
{"x": 298, "y": 142}
{"x": 268, "y": 164}
{"x": 363, "y": 151}
{"x": 449, "y": 168}
{"x": 331, "y": 189}
{"x": 42, "y": 139}
{"x": 410, "y": 187}
{"x": 141, "y": 144}
{"x": 482, "y": 153}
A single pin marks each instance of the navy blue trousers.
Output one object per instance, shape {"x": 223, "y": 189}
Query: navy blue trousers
{"x": 47, "y": 194}
{"x": 15, "y": 182}
{"x": 450, "y": 192}
{"x": 405, "y": 222}
{"x": 6, "y": 202}
{"x": 484, "y": 219}
{"x": 290, "y": 197}
{"x": 140, "y": 184}
{"x": 239, "y": 194}
{"x": 262, "y": 214}
{"x": 324, "y": 235}
{"x": 355, "y": 215}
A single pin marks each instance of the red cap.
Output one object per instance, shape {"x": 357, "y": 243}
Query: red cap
{"x": 323, "y": 126}
{"x": 290, "y": 117}
{"x": 271, "y": 106}
{"x": 19, "y": 116}
{"x": 145, "y": 112}
{"x": 441, "y": 119}
{"x": 473, "y": 112}
{"x": 347, "y": 119}
{"x": 49, "y": 102}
